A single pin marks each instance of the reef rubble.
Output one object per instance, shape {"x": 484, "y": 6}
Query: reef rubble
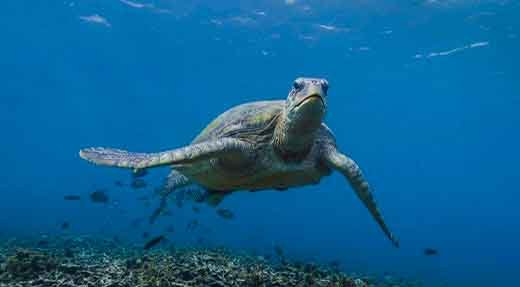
{"x": 91, "y": 262}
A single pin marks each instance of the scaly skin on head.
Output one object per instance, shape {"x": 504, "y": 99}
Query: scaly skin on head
{"x": 303, "y": 113}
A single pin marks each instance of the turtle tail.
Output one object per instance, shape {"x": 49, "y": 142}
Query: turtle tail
{"x": 122, "y": 158}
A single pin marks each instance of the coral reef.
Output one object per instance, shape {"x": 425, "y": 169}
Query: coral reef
{"x": 102, "y": 263}
{"x": 25, "y": 263}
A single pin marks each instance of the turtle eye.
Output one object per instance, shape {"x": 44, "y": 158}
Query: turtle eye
{"x": 297, "y": 85}
{"x": 325, "y": 85}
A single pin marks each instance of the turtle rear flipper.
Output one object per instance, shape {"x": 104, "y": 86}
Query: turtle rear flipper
{"x": 184, "y": 155}
{"x": 174, "y": 182}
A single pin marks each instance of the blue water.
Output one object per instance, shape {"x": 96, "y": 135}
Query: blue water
{"x": 424, "y": 95}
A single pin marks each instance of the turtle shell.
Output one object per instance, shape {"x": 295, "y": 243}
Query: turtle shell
{"x": 253, "y": 122}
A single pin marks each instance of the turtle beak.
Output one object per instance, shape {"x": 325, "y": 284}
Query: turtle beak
{"x": 312, "y": 96}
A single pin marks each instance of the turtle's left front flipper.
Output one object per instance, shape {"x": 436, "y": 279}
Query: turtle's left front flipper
{"x": 184, "y": 155}
{"x": 338, "y": 161}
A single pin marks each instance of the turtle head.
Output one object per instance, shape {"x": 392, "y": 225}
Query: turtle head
{"x": 306, "y": 104}
{"x": 303, "y": 114}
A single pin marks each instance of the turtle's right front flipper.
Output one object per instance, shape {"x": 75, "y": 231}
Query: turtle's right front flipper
{"x": 184, "y": 155}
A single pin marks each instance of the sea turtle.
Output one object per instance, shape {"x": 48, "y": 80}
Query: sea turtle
{"x": 257, "y": 146}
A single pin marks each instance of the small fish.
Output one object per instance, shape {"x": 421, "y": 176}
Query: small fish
{"x": 143, "y": 198}
{"x": 138, "y": 183}
{"x": 225, "y": 213}
{"x": 146, "y": 234}
{"x": 135, "y": 222}
{"x": 137, "y": 173}
{"x": 278, "y": 251}
{"x": 119, "y": 183}
{"x": 335, "y": 264}
{"x": 167, "y": 212}
{"x": 42, "y": 243}
{"x": 430, "y": 252}
{"x": 72, "y": 197}
{"x": 195, "y": 209}
{"x": 192, "y": 224}
{"x": 99, "y": 196}
{"x": 154, "y": 241}
{"x": 65, "y": 225}
{"x": 158, "y": 210}
{"x": 67, "y": 252}
{"x": 170, "y": 229}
